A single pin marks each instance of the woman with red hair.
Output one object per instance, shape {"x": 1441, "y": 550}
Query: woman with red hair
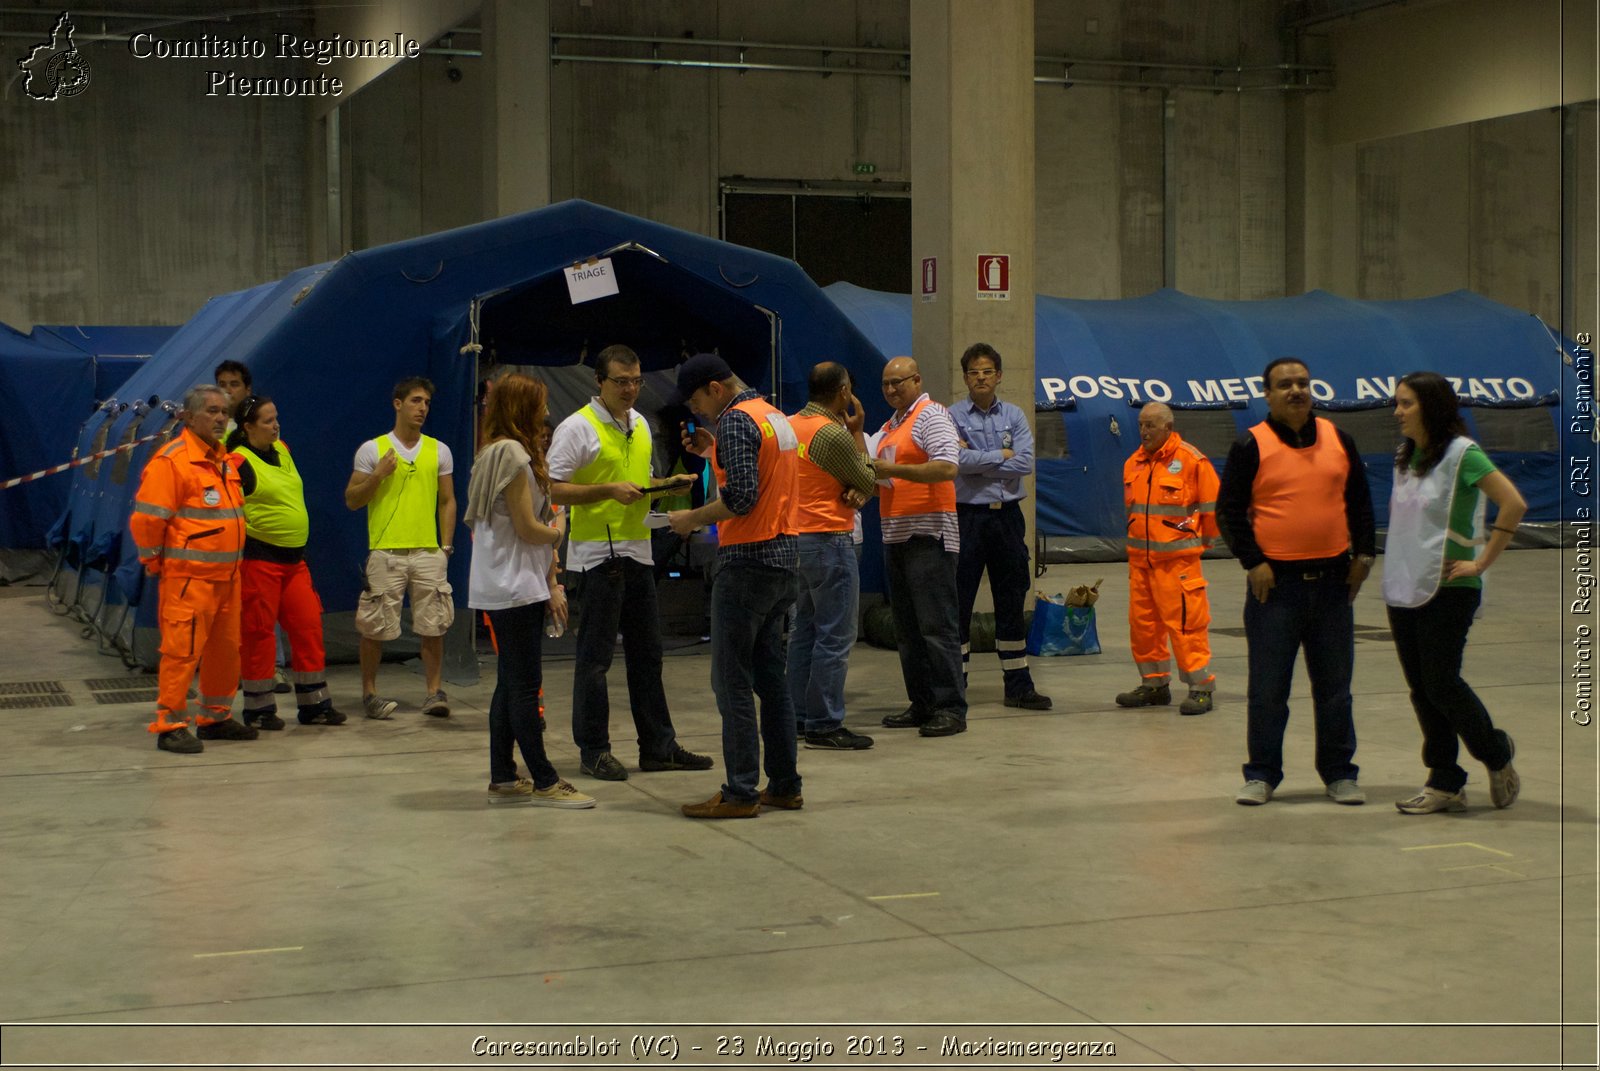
{"x": 513, "y": 577}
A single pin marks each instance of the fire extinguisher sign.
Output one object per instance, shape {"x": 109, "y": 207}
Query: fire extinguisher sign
{"x": 930, "y": 278}
{"x": 994, "y": 277}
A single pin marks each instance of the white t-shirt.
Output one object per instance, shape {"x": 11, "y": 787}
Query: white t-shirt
{"x": 576, "y": 444}
{"x": 507, "y": 572}
{"x": 367, "y": 455}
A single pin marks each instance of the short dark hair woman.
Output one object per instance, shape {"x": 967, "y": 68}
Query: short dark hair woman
{"x": 1432, "y": 583}
{"x": 276, "y": 581}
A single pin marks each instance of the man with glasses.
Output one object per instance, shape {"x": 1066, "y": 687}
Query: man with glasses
{"x": 916, "y": 465}
{"x": 403, "y": 479}
{"x": 996, "y": 453}
{"x": 600, "y": 461}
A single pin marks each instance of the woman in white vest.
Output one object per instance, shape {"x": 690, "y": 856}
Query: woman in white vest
{"x": 1432, "y": 582}
{"x": 275, "y": 581}
{"x": 513, "y": 577}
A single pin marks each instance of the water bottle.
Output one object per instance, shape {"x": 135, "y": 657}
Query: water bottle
{"x": 554, "y": 628}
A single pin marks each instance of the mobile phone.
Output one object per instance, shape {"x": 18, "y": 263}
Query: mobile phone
{"x": 689, "y": 427}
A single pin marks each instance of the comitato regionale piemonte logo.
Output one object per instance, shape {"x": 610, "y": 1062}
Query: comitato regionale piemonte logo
{"x": 56, "y": 68}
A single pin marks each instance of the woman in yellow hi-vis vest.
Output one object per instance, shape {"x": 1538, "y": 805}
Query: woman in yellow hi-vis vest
{"x": 277, "y": 581}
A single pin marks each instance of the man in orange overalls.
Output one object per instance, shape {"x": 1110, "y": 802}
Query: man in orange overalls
{"x": 1170, "y": 491}
{"x": 188, "y": 523}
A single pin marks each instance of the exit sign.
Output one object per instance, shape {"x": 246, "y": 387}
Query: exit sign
{"x": 866, "y": 169}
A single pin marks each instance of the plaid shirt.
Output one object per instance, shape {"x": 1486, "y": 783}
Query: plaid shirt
{"x": 738, "y": 451}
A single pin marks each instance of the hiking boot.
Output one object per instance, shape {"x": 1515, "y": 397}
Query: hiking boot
{"x": 226, "y": 729}
{"x": 1029, "y": 700}
{"x": 1146, "y": 695}
{"x": 321, "y": 714}
{"x": 1197, "y": 703}
{"x": 379, "y": 709}
{"x": 1347, "y": 792}
{"x": 1504, "y": 784}
{"x": 605, "y": 767}
{"x": 680, "y": 759}
{"x": 783, "y": 803}
{"x": 436, "y": 705}
{"x": 179, "y": 742}
{"x": 717, "y": 807}
{"x": 840, "y": 739}
{"x": 518, "y": 791}
{"x": 1432, "y": 801}
{"x": 942, "y": 725}
{"x": 267, "y": 720}
{"x": 909, "y": 718}
{"x": 561, "y": 794}
{"x": 1253, "y": 794}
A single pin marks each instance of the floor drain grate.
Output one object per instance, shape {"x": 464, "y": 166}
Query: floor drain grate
{"x": 32, "y": 688}
{"x": 120, "y": 684}
{"x": 46, "y": 699}
{"x": 142, "y": 696}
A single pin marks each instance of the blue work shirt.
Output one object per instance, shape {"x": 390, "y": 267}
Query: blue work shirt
{"x": 983, "y": 476}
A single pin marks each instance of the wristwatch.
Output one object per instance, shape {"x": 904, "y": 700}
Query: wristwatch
{"x": 1366, "y": 559}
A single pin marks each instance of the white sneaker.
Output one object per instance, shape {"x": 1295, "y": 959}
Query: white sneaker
{"x": 1504, "y": 784}
{"x": 436, "y": 705}
{"x": 379, "y": 709}
{"x": 560, "y": 794}
{"x": 1254, "y": 794}
{"x": 1432, "y": 801}
{"x": 1347, "y": 792}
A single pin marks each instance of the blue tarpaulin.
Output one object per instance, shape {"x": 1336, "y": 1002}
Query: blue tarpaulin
{"x": 329, "y": 342}
{"x": 1096, "y": 362}
{"x": 52, "y": 379}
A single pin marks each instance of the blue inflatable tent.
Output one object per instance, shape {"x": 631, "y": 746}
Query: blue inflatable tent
{"x": 1527, "y": 392}
{"x": 329, "y": 342}
{"x": 52, "y": 378}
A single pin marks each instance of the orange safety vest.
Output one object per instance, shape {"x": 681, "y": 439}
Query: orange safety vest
{"x": 904, "y": 498}
{"x": 1171, "y": 499}
{"x": 819, "y": 496}
{"x": 1297, "y": 499}
{"x": 188, "y": 516}
{"x": 776, "y": 473}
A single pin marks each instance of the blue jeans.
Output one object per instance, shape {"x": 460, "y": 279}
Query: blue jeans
{"x": 996, "y": 540}
{"x": 922, "y": 594}
{"x": 1309, "y": 609}
{"x": 514, "y": 708}
{"x": 826, "y": 602}
{"x": 749, "y": 606}
{"x": 1430, "y": 640}
{"x": 604, "y": 592}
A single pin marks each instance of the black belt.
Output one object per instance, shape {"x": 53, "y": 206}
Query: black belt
{"x": 987, "y": 506}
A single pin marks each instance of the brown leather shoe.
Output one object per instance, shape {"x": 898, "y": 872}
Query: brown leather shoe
{"x": 717, "y": 807}
{"x": 783, "y": 803}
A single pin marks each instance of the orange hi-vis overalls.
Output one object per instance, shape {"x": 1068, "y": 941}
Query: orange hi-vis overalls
{"x": 1171, "y": 498}
{"x": 188, "y": 523}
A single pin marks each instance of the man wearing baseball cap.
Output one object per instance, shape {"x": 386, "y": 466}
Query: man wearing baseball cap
{"x": 753, "y": 453}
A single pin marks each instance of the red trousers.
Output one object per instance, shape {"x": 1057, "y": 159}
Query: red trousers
{"x": 1167, "y": 599}
{"x": 275, "y": 593}
{"x": 199, "y": 624}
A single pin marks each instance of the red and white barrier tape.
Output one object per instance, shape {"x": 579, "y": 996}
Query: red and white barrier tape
{"x": 79, "y": 461}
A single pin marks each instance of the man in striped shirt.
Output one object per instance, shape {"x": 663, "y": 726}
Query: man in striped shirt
{"x": 916, "y": 467}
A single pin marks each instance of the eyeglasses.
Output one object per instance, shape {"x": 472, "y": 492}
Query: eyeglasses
{"x": 891, "y": 384}
{"x": 626, "y": 381}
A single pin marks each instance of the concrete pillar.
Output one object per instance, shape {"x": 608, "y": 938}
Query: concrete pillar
{"x": 972, "y": 187}
{"x": 516, "y": 65}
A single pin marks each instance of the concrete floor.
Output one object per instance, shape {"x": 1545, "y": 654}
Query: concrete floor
{"x": 1084, "y": 868}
